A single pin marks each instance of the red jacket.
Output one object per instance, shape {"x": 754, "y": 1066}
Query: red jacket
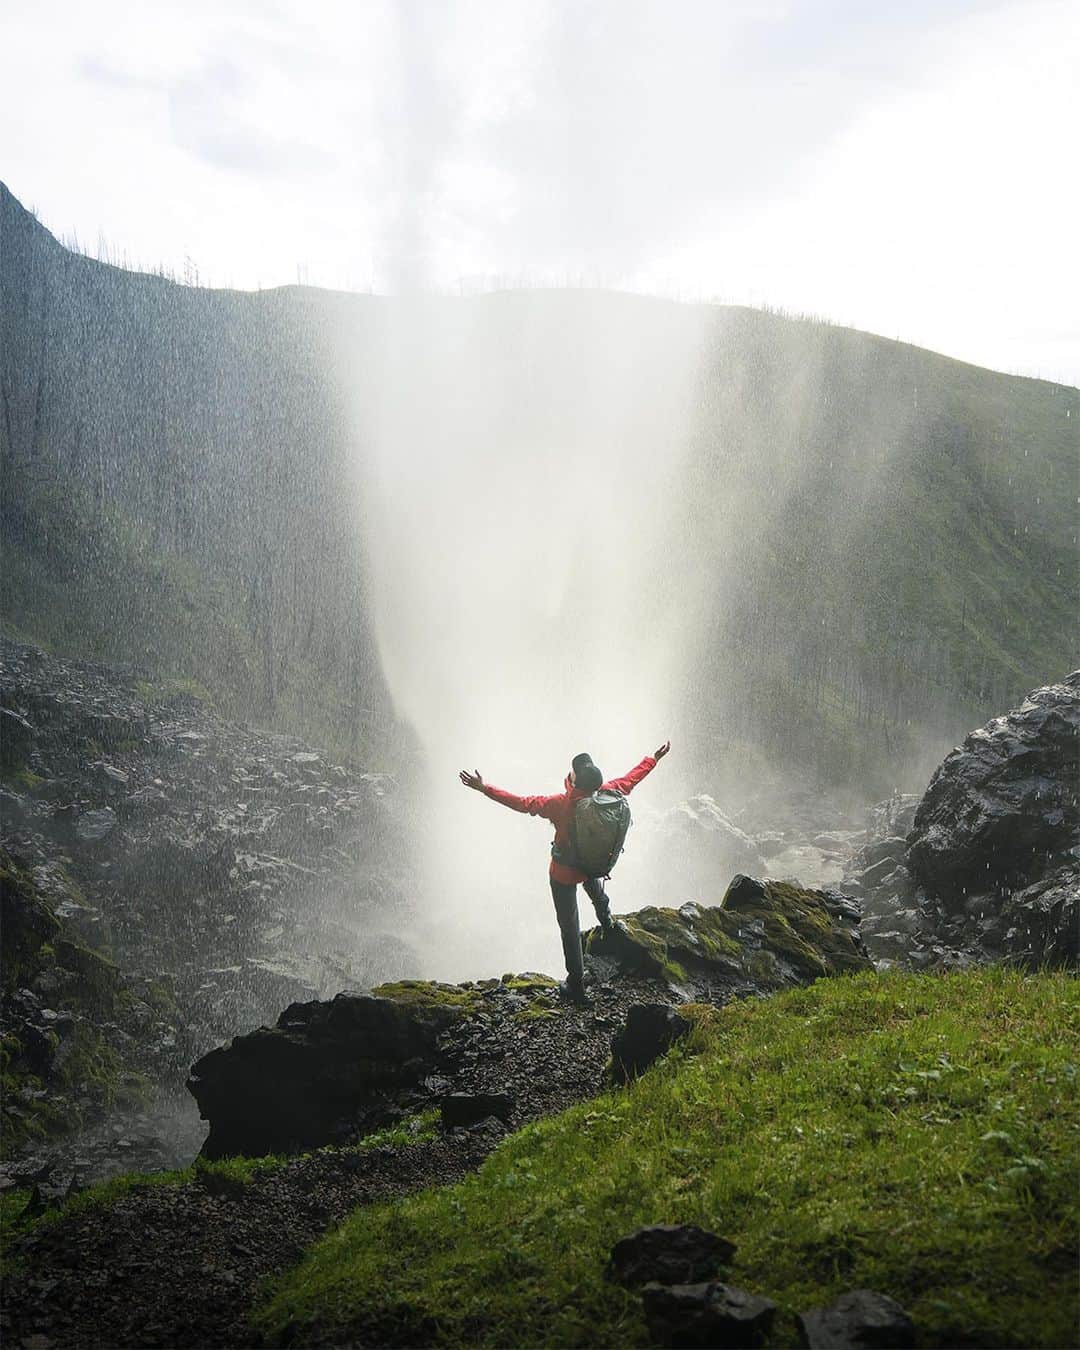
{"x": 560, "y": 809}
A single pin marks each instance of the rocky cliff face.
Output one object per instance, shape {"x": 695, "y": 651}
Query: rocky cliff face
{"x": 167, "y": 450}
{"x": 173, "y": 876}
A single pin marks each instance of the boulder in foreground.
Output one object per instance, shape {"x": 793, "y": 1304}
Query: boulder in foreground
{"x": 861, "y": 1320}
{"x": 713, "y": 1316}
{"x": 668, "y": 1253}
{"x": 323, "y": 1068}
{"x": 1004, "y": 807}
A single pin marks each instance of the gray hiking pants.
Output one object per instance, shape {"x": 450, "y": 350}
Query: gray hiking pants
{"x": 565, "y": 896}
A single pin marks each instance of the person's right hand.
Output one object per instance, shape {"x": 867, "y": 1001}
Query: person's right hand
{"x": 659, "y": 754}
{"x": 472, "y": 780}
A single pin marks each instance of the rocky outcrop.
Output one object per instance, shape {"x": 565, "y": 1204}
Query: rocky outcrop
{"x": 508, "y": 1048}
{"x": 76, "y": 1036}
{"x": 989, "y": 866}
{"x": 323, "y": 1070}
{"x": 242, "y": 867}
{"x": 217, "y": 871}
{"x": 763, "y": 935}
{"x": 712, "y": 1316}
{"x": 1004, "y": 808}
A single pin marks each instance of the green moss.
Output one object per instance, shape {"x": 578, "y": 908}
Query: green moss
{"x": 530, "y": 983}
{"x": 911, "y": 1134}
{"x": 798, "y": 926}
{"x": 28, "y": 1115}
{"x": 90, "y": 1066}
{"x": 430, "y": 993}
{"x": 539, "y": 1010}
{"x": 418, "y": 1129}
{"x": 23, "y": 780}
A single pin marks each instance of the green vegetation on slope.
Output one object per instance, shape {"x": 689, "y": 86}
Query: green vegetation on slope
{"x": 889, "y": 542}
{"x": 82, "y": 578}
{"x": 911, "y": 1134}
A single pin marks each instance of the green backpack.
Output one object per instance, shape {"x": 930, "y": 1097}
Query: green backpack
{"x": 598, "y": 831}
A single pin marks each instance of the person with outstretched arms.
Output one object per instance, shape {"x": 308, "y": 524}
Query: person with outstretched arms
{"x": 588, "y": 815}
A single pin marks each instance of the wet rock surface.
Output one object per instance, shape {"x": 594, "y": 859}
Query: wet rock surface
{"x": 763, "y": 935}
{"x": 861, "y": 1320}
{"x": 668, "y": 1254}
{"x": 713, "y": 1316}
{"x": 1004, "y": 807}
{"x": 218, "y": 871}
{"x": 650, "y": 1030}
{"x": 985, "y": 866}
{"x": 323, "y": 1070}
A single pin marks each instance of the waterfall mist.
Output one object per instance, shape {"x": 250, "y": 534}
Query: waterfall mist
{"x": 520, "y": 457}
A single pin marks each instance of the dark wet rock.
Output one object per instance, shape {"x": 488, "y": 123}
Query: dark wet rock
{"x": 651, "y": 1029}
{"x": 892, "y": 846}
{"x": 1005, "y": 806}
{"x": 711, "y": 1315}
{"x": 16, "y": 739}
{"x": 323, "y": 1068}
{"x": 669, "y": 1254}
{"x": 893, "y": 817}
{"x": 239, "y": 870}
{"x": 990, "y": 872}
{"x": 26, "y": 921}
{"x": 1040, "y": 925}
{"x": 874, "y": 876}
{"x": 842, "y": 905}
{"x": 92, "y": 827}
{"x": 469, "y": 1108}
{"x": 860, "y": 1320}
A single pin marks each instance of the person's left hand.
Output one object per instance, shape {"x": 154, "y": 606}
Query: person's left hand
{"x": 659, "y": 754}
{"x": 472, "y": 780}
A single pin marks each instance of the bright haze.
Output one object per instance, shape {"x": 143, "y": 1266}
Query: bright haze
{"x": 904, "y": 168}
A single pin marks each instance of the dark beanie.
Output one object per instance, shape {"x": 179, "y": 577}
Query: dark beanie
{"x": 586, "y": 775}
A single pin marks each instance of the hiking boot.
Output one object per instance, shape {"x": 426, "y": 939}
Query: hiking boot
{"x": 572, "y": 992}
{"x": 607, "y": 923}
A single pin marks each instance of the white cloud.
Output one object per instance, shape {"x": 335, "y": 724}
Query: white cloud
{"x": 906, "y": 168}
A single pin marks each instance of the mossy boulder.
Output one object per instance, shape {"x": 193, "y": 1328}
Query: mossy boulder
{"x": 763, "y": 935}
{"x": 326, "y": 1070}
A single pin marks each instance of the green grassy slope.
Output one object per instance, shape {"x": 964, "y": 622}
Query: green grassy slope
{"x": 890, "y": 542}
{"x": 911, "y": 1134}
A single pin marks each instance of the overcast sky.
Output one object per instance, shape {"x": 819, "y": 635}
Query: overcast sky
{"x": 910, "y": 168}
